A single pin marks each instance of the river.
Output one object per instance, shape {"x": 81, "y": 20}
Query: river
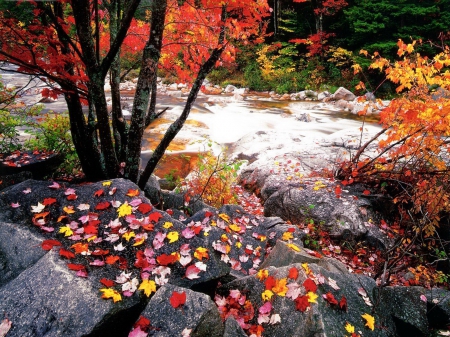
{"x": 219, "y": 118}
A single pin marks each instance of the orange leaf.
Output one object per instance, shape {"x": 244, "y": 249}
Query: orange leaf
{"x": 133, "y": 193}
{"x": 293, "y": 273}
{"x": 111, "y": 259}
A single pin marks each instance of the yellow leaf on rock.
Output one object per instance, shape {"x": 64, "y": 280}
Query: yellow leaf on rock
{"x": 370, "y": 321}
{"x": 224, "y": 216}
{"x": 128, "y": 235}
{"x": 287, "y": 236}
{"x": 350, "y": 328}
{"x": 201, "y": 253}
{"x": 267, "y": 295}
{"x": 172, "y": 236}
{"x": 293, "y": 247}
{"x": 106, "y": 183}
{"x": 66, "y": 231}
{"x": 312, "y": 297}
{"x": 167, "y": 225}
{"x": 234, "y": 228}
{"x": 148, "y": 287}
{"x": 262, "y": 274}
{"x": 238, "y": 244}
{"x": 111, "y": 293}
{"x": 306, "y": 268}
{"x": 139, "y": 242}
{"x": 280, "y": 287}
{"x": 124, "y": 209}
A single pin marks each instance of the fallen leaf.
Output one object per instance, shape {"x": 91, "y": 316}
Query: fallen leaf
{"x": 124, "y": 210}
{"x": 37, "y": 209}
{"x": 49, "y": 244}
{"x": 312, "y": 297}
{"x": 329, "y": 297}
{"x": 66, "y": 253}
{"x": 137, "y": 332}
{"x": 133, "y": 193}
{"x": 310, "y": 285}
{"x": 148, "y": 286}
{"x": 106, "y": 282}
{"x": 144, "y": 208}
{"x": 99, "y": 193}
{"x": 5, "y": 325}
{"x": 111, "y": 293}
{"x": 76, "y": 266}
{"x": 350, "y": 328}
{"x": 49, "y": 201}
{"x": 370, "y": 321}
{"x": 102, "y": 205}
{"x": 172, "y": 236}
{"x": 302, "y": 303}
{"x": 293, "y": 273}
{"x": 177, "y": 299}
{"x": 343, "y": 303}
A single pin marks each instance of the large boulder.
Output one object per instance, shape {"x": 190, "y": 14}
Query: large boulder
{"x": 195, "y": 314}
{"x": 342, "y": 93}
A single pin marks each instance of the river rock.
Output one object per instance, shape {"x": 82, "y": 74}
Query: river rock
{"x": 198, "y": 315}
{"x": 342, "y": 93}
{"x": 47, "y": 299}
{"x": 230, "y": 88}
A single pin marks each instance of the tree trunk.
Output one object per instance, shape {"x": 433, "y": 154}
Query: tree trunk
{"x": 82, "y": 15}
{"x": 120, "y": 127}
{"x": 176, "y": 126}
{"x": 150, "y": 58}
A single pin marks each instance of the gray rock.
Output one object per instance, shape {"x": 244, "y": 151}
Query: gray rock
{"x": 404, "y": 308}
{"x": 343, "y": 217}
{"x": 345, "y": 94}
{"x": 48, "y": 300}
{"x": 233, "y": 329}
{"x": 19, "y": 249}
{"x": 199, "y": 314}
{"x": 230, "y": 88}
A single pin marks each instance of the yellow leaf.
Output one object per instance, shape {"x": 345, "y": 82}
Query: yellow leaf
{"x": 91, "y": 238}
{"x": 312, "y": 297}
{"x": 262, "y": 274}
{"x": 139, "y": 242}
{"x": 287, "y": 236}
{"x": 124, "y": 209}
{"x": 148, "y": 287}
{"x": 238, "y": 244}
{"x": 106, "y": 183}
{"x": 350, "y": 328}
{"x": 128, "y": 235}
{"x": 370, "y": 321}
{"x": 267, "y": 295}
{"x": 306, "y": 267}
{"x": 172, "y": 236}
{"x": 167, "y": 225}
{"x": 111, "y": 293}
{"x": 201, "y": 253}
{"x": 224, "y": 216}
{"x": 235, "y": 227}
{"x": 65, "y": 230}
{"x": 68, "y": 209}
{"x": 280, "y": 287}
{"x": 293, "y": 247}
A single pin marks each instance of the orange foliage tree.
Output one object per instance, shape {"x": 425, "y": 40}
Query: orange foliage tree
{"x": 413, "y": 162}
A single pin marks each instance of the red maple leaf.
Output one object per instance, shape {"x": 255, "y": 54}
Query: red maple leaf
{"x": 66, "y": 253}
{"x": 330, "y": 298}
{"x": 141, "y": 260}
{"x": 98, "y": 193}
{"x": 343, "y": 303}
{"x": 49, "y": 244}
{"x": 270, "y": 282}
{"x": 111, "y": 259}
{"x": 177, "y": 299}
{"x": 293, "y": 273}
{"x": 100, "y": 252}
{"x": 301, "y": 303}
{"x": 72, "y": 197}
{"x": 49, "y": 201}
{"x": 102, "y": 205}
{"x": 154, "y": 217}
{"x": 144, "y": 208}
{"x": 143, "y": 323}
{"x": 75, "y": 266}
{"x": 106, "y": 282}
{"x": 165, "y": 259}
{"x": 310, "y": 285}
{"x": 338, "y": 191}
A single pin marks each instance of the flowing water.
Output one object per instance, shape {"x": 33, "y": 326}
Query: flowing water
{"x": 221, "y": 119}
